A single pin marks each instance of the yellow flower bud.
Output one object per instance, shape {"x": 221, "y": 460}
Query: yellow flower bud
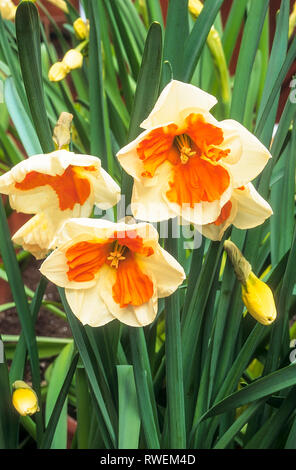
{"x": 73, "y": 59}
{"x": 256, "y": 295}
{"x": 58, "y": 71}
{"x": 195, "y": 7}
{"x": 292, "y": 21}
{"x": 7, "y": 9}
{"x": 258, "y": 298}
{"x": 81, "y": 28}
{"x": 24, "y": 399}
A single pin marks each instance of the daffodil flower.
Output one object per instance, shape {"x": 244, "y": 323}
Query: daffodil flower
{"x": 245, "y": 209}
{"x": 55, "y": 187}
{"x": 186, "y": 163}
{"x": 112, "y": 270}
{"x": 7, "y": 9}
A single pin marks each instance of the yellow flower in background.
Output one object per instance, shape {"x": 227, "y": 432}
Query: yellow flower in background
{"x": 81, "y": 28}
{"x": 73, "y": 59}
{"x": 58, "y": 71}
{"x": 7, "y": 9}
{"x": 245, "y": 209}
{"x": 112, "y": 271}
{"x": 61, "y": 4}
{"x": 24, "y": 399}
{"x": 256, "y": 294}
{"x": 55, "y": 187}
{"x": 186, "y": 163}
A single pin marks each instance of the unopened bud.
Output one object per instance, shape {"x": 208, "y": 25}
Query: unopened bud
{"x": 57, "y": 72}
{"x": 73, "y": 59}
{"x": 256, "y": 294}
{"x": 81, "y": 28}
{"x": 24, "y": 399}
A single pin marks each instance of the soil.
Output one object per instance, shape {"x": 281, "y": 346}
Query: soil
{"x": 48, "y": 324}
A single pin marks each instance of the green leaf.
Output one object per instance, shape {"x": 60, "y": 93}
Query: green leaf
{"x": 235, "y": 428}
{"x": 58, "y": 375}
{"x": 174, "y": 368}
{"x": 47, "y": 347}
{"x": 28, "y": 40}
{"x": 20, "y": 119}
{"x": 273, "y": 426}
{"x": 248, "y": 49}
{"x": 176, "y": 21}
{"x": 18, "y": 292}
{"x": 58, "y": 406}
{"x": 262, "y": 387}
{"x": 129, "y": 417}
{"x": 144, "y": 386}
{"x": 89, "y": 363}
{"x": 83, "y": 408}
{"x": 7, "y": 439}
{"x": 290, "y": 57}
{"x": 99, "y": 129}
{"x": 197, "y": 38}
{"x": 145, "y": 95}
{"x": 233, "y": 26}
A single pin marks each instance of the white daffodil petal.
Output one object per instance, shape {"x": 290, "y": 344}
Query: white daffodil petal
{"x": 252, "y": 209}
{"x": 176, "y": 98}
{"x": 166, "y": 271}
{"x": 55, "y": 268}
{"x": 88, "y": 306}
{"x": 101, "y": 229}
{"x": 254, "y": 155}
{"x": 106, "y": 191}
{"x": 148, "y": 202}
{"x": 37, "y": 234}
{"x": 215, "y": 232}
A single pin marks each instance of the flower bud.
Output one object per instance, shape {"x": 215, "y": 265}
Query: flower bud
{"x": 81, "y": 28}
{"x": 57, "y": 72}
{"x": 195, "y": 7}
{"x": 7, "y": 9}
{"x": 73, "y": 59}
{"x": 256, "y": 295}
{"x": 258, "y": 298}
{"x": 24, "y": 399}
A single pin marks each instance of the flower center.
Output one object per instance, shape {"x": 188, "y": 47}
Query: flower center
{"x": 184, "y": 145}
{"x": 116, "y": 255}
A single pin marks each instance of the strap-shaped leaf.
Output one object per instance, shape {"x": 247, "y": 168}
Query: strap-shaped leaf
{"x": 28, "y": 40}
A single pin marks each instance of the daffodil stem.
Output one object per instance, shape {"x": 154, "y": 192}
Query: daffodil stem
{"x": 82, "y": 45}
{"x": 174, "y": 369}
